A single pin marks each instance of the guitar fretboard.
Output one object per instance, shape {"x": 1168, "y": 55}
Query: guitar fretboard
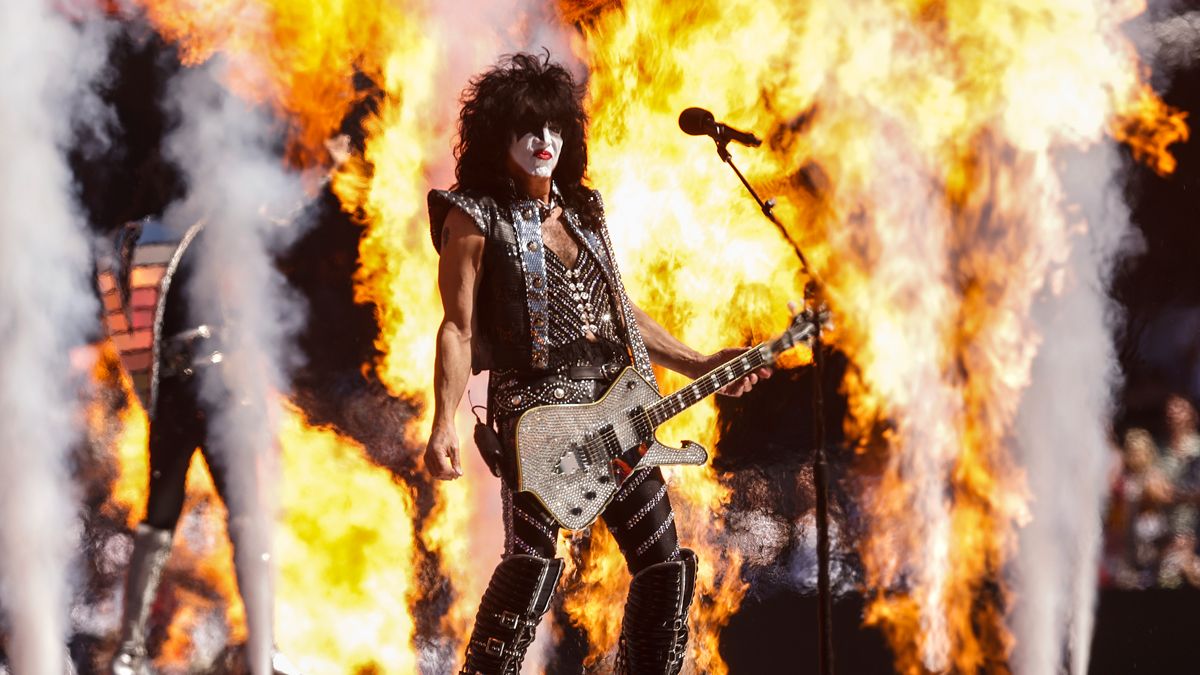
{"x": 707, "y": 385}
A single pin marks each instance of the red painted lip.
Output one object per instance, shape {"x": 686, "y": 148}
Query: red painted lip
{"x": 543, "y": 154}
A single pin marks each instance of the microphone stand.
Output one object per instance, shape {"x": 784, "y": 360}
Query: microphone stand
{"x": 814, "y": 294}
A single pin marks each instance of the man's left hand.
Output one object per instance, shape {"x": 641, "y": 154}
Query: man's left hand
{"x": 738, "y": 387}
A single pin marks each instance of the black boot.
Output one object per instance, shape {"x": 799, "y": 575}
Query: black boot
{"x": 513, "y": 604}
{"x": 654, "y": 632}
{"x": 151, "y": 547}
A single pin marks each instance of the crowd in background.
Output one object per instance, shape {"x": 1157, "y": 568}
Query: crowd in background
{"x": 1153, "y": 521}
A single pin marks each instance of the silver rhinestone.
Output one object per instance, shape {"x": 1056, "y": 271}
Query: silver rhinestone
{"x": 516, "y": 400}
{"x": 532, "y": 246}
{"x": 559, "y": 392}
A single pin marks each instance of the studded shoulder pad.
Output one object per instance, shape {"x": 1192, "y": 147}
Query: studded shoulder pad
{"x": 482, "y": 211}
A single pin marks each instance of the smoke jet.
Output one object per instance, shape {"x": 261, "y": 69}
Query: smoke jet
{"x": 47, "y": 309}
{"x": 1061, "y": 431}
{"x": 238, "y": 186}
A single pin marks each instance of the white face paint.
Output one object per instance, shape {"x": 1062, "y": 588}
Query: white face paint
{"x": 537, "y": 155}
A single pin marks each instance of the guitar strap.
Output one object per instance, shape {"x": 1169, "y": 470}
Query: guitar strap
{"x": 528, "y": 228}
{"x": 600, "y": 246}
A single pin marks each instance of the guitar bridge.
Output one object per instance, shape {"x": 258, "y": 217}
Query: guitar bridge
{"x": 571, "y": 461}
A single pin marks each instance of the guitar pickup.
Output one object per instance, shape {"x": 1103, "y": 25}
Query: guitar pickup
{"x": 640, "y": 422}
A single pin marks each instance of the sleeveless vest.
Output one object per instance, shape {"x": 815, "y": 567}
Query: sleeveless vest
{"x": 511, "y": 310}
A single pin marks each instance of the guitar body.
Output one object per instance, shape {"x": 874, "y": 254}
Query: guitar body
{"x": 574, "y": 457}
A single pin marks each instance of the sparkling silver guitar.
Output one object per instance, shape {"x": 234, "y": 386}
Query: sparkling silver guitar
{"x": 574, "y": 457}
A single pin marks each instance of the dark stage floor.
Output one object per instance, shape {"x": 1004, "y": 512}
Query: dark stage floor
{"x": 1151, "y": 632}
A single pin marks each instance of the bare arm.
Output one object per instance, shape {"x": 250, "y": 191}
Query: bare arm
{"x": 668, "y": 351}
{"x": 458, "y": 279}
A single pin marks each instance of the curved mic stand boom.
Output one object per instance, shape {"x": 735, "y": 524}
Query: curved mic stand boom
{"x": 814, "y": 296}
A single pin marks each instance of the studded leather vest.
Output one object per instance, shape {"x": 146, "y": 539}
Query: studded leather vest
{"x": 513, "y": 319}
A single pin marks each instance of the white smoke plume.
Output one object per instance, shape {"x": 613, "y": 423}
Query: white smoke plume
{"x": 1167, "y": 35}
{"x": 48, "y": 59}
{"x": 238, "y": 186}
{"x": 1178, "y": 40}
{"x": 1062, "y": 429}
{"x": 1061, "y": 432}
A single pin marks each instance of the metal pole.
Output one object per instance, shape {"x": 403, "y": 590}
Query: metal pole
{"x": 815, "y": 296}
{"x": 821, "y": 487}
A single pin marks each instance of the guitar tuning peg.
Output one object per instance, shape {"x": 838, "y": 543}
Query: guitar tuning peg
{"x": 819, "y": 315}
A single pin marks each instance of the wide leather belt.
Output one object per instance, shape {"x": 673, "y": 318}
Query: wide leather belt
{"x": 606, "y": 371}
{"x": 573, "y": 384}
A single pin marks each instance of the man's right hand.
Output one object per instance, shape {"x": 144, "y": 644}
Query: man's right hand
{"x": 441, "y": 453}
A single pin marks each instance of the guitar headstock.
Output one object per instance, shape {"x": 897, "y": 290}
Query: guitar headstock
{"x": 803, "y": 327}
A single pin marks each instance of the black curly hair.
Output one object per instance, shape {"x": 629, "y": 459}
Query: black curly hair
{"x": 521, "y": 92}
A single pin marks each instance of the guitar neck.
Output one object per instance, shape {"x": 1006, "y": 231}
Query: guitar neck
{"x": 708, "y": 384}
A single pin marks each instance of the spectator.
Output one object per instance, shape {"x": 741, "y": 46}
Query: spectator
{"x": 1180, "y": 565}
{"x": 1183, "y": 441}
{"x": 1138, "y": 519}
{"x": 1180, "y": 464}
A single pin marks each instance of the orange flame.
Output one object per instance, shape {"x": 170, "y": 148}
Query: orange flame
{"x": 296, "y": 57}
{"x": 1149, "y": 127}
{"x": 912, "y": 145}
{"x": 346, "y": 557}
{"x": 336, "y": 562}
{"x": 599, "y": 574}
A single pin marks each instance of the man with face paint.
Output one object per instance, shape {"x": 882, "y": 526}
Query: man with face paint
{"x": 532, "y": 294}
{"x": 536, "y": 152}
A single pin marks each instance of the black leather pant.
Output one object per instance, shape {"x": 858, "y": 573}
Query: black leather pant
{"x": 639, "y": 517}
{"x": 178, "y": 428}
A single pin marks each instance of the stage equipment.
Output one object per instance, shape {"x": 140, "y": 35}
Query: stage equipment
{"x": 700, "y": 122}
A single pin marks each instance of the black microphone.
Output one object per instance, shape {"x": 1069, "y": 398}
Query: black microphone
{"x": 700, "y": 122}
